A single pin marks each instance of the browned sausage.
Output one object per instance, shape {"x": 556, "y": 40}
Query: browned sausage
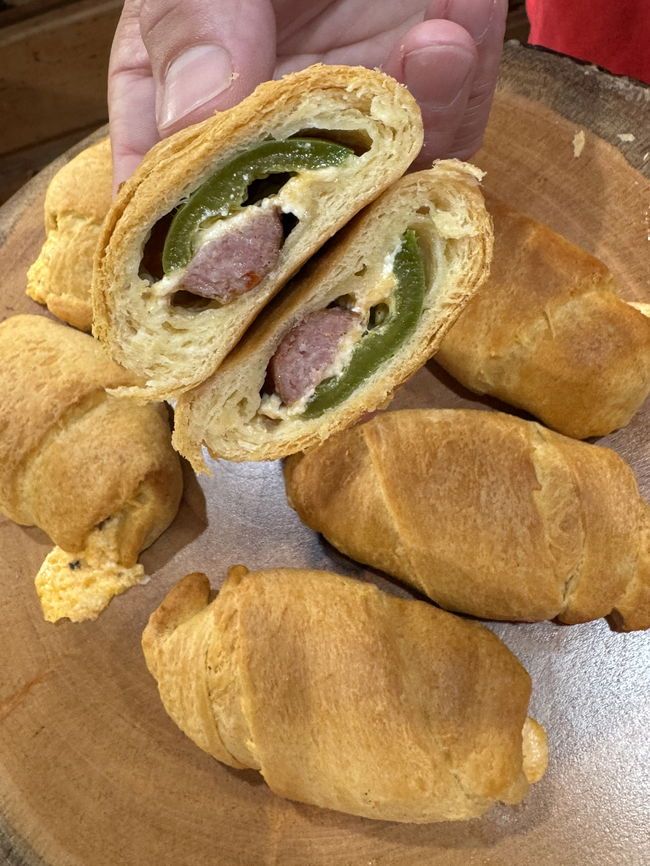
{"x": 237, "y": 260}
{"x": 307, "y": 350}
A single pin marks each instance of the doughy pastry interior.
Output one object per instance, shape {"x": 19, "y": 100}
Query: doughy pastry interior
{"x": 173, "y": 342}
{"x": 80, "y": 584}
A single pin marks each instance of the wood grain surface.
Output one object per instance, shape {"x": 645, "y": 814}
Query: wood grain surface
{"x": 93, "y": 773}
{"x": 53, "y": 73}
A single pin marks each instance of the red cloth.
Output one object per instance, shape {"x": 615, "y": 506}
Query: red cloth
{"x": 614, "y": 34}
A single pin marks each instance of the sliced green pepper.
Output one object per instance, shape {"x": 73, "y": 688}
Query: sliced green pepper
{"x": 223, "y": 193}
{"x": 378, "y": 345}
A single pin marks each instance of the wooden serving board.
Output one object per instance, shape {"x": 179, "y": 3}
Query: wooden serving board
{"x": 93, "y": 773}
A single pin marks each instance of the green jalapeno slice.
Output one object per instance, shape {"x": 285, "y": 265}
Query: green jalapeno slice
{"x": 377, "y": 345}
{"x": 224, "y": 192}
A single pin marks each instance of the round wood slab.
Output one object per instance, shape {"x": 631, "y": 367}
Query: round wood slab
{"x": 93, "y": 773}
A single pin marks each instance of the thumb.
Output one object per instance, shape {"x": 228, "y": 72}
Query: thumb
{"x": 206, "y": 55}
{"x": 437, "y": 61}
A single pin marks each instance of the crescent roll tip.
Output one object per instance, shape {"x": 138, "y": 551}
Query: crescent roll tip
{"x": 76, "y": 202}
{"x": 186, "y": 598}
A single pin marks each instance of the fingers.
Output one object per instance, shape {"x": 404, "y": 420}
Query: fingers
{"x": 174, "y": 63}
{"x": 205, "y": 55}
{"x": 485, "y": 21}
{"x": 131, "y": 96}
{"x": 437, "y": 60}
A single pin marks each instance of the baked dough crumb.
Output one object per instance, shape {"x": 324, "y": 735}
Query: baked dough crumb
{"x": 579, "y": 142}
{"x": 80, "y": 585}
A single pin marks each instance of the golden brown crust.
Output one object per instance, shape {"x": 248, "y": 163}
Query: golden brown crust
{"x": 109, "y": 453}
{"x": 485, "y": 513}
{"x": 548, "y": 333}
{"x": 613, "y": 519}
{"x": 345, "y": 697}
{"x": 71, "y": 455}
{"x": 175, "y": 643}
{"x": 175, "y": 349}
{"x": 188, "y": 597}
{"x": 445, "y": 207}
{"x": 632, "y": 609}
{"x": 46, "y": 371}
{"x": 76, "y": 202}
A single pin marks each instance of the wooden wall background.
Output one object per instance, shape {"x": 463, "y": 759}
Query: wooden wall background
{"x": 53, "y": 61}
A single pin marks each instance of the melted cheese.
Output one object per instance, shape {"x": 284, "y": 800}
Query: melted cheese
{"x": 80, "y": 585}
{"x": 378, "y": 292}
{"x": 231, "y": 223}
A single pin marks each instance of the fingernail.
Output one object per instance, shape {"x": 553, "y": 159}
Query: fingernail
{"x": 474, "y": 17}
{"x": 193, "y": 78}
{"x": 435, "y": 75}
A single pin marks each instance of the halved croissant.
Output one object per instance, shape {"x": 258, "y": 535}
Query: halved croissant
{"x": 345, "y": 697}
{"x": 145, "y": 304}
{"x": 443, "y": 211}
{"x": 97, "y": 473}
{"x": 485, "y": 513}
{"x": 77, "y": 200}
{"x": 547, "y": 332}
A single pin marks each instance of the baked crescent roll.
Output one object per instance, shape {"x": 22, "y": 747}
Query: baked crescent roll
{"x": 352, "y": 327}
{"x": 548, "y": 333}
{"x": 220, "y": 215}
{"x": 345, "y": 697}
{"x": 76, "y": 202}
{"x": 96, "y": 473}
{"x": 484, "y": 513}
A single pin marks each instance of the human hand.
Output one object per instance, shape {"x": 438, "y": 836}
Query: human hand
{"x": 175, "y": 62}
